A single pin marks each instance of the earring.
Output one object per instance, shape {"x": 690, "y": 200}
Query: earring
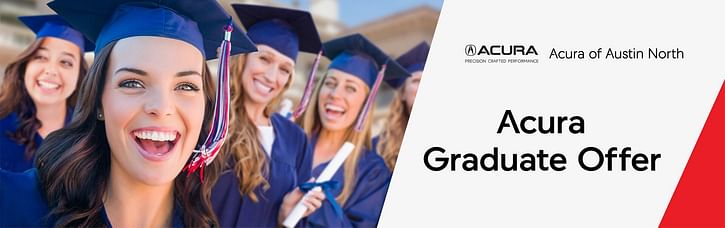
{"x": 100, "y": 116}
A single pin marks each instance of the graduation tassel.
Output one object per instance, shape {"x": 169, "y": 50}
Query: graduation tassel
{"x": 217, "y": 133}
{"x": 305, "y": 100}
{"x": 371, "y": 99}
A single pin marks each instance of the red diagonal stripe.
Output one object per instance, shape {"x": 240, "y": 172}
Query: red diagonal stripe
{"x": 699, "y": 199}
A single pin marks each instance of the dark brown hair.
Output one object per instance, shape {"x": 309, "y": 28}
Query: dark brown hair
{"x": 14, "y": 97}
{"x": 74, "y": 162}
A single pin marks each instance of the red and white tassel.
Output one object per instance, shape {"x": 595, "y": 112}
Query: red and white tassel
{"x": 218, "y": 132}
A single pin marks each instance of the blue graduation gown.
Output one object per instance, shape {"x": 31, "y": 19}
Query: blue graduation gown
{"x": 23, "y": 205}
{"x": 365, "y": 203}
{"x": 289, "y": 165}
{"x": 374, "y": 143}
{"x": 12, "y": 154}
{"x": 21, "y": 202}
{"x": 177, "y": 221}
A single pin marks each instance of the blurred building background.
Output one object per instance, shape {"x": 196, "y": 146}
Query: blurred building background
{"x": 394, "y": 32}
{"x": 14, "y": 37}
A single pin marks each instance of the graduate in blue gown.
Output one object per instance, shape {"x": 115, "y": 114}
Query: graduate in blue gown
{"x": 21, "y": 195}
{"x": 339, "y": 109}
{"x": 38, "y": 89}
{"x": 269, "y": 155}
{"x": 387, "y": 144}
{"x": 146, "y": 126}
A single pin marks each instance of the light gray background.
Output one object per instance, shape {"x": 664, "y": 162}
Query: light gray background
{"x": 653, "y": 106}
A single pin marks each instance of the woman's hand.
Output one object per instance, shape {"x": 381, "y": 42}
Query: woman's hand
{"x": 313, "y": 202}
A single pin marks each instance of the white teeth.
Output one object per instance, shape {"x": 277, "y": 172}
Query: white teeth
{"x": 262, "y": 86}
{"x": 156, "y": 135}
{"x": 334, "y": 108}
{"x": 48, "y": 85}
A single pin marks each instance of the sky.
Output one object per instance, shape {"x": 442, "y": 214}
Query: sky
{"x": 357, "y": 12}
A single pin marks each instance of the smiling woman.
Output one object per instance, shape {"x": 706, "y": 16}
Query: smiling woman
{"x": 150, "y": 127}
{"x": 270, "y": 155}
{"x": 144, "y": 109}
{"x": 38, "y": 89}
{"x": 340, "y": 107}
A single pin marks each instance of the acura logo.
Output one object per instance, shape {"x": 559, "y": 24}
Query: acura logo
{"x": 471, "y": 50}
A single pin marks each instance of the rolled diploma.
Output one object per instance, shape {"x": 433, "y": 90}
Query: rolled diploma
{"x": 299, "y": 210}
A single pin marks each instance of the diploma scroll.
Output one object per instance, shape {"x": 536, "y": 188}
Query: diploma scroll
{"x": 299, "y": 210}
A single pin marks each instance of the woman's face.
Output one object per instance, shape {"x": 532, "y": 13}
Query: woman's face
{"x": 265, "y": 74}
{"x": 341, "y": 98}
{"x": 52, "y": 72}
{"x": 411, "y": 88}
{"x": 153, "y": 105}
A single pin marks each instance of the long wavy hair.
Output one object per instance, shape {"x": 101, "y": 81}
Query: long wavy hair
{"x": 14, "y": 98}
{"x": 392, "y": 136}
{"x": 245, "y": 151}
{"x": 312, "y": 124}
{"x": 74, "y": 162}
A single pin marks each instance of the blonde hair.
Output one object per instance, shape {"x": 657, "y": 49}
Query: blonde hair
{"x": 244, "y": 149}
{"x": 392, "y": 136}
{"x": 311, "y": 123}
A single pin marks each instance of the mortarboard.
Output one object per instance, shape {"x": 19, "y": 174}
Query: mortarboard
{"x": 287, "y": 31}
{"x": 413, "y": 61}
{"x": 55, "y": 26}
{"x": 356, "y": 55}
{"x": 197, "y": 22}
